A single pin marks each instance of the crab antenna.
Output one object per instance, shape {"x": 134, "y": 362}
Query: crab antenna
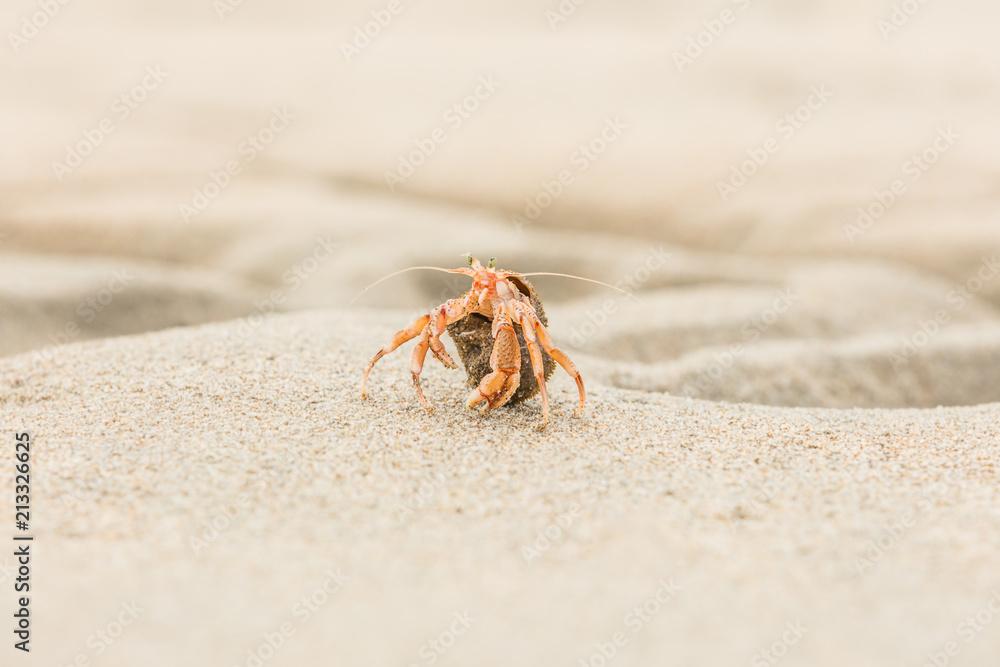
{"x": 409, "y": 268}
{"x": 567, "y": 275}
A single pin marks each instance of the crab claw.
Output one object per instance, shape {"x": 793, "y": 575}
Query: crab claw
{"x": 441, "y": 354}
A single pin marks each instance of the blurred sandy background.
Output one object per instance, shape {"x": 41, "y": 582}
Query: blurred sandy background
{"x": 803, "y": 196}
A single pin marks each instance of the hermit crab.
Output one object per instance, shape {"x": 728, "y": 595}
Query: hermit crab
{"x": 510, "y": 303}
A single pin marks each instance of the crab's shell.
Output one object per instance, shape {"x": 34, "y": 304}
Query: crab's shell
{"x": 474, "y": 340}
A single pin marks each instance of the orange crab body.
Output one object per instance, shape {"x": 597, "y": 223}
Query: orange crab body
{"x": 495, "y": 297}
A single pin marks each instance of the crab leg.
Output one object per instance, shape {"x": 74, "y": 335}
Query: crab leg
{"x": 429, "y": 327}
{"x": 450, "y": 311}
{"x": 417, "y": 365}
{"x": 537, "y": 366}
{"x": 398, "y": 339}
{"x": 497, "y": 387}
{"x": 563, "y": 360}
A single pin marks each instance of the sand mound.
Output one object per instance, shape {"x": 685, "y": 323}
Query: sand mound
{"x": 48, "y": 301}
{"x": 820, "y": 335}
{"x": 953, "y": 368}
{"x": 786, "y": 331}
{"x": 178, "y": 466}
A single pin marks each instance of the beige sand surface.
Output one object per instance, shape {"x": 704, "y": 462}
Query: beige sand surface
{"x": 875, "y": 532}
{"x": 794, "y": 418}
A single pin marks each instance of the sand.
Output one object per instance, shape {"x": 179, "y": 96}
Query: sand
{"x": 213, "y": 479}
{"x": 789, "y": 454}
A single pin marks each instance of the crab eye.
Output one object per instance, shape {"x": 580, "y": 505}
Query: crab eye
{"x": 468, "y": 258}
{"x": 493, "y": 263}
